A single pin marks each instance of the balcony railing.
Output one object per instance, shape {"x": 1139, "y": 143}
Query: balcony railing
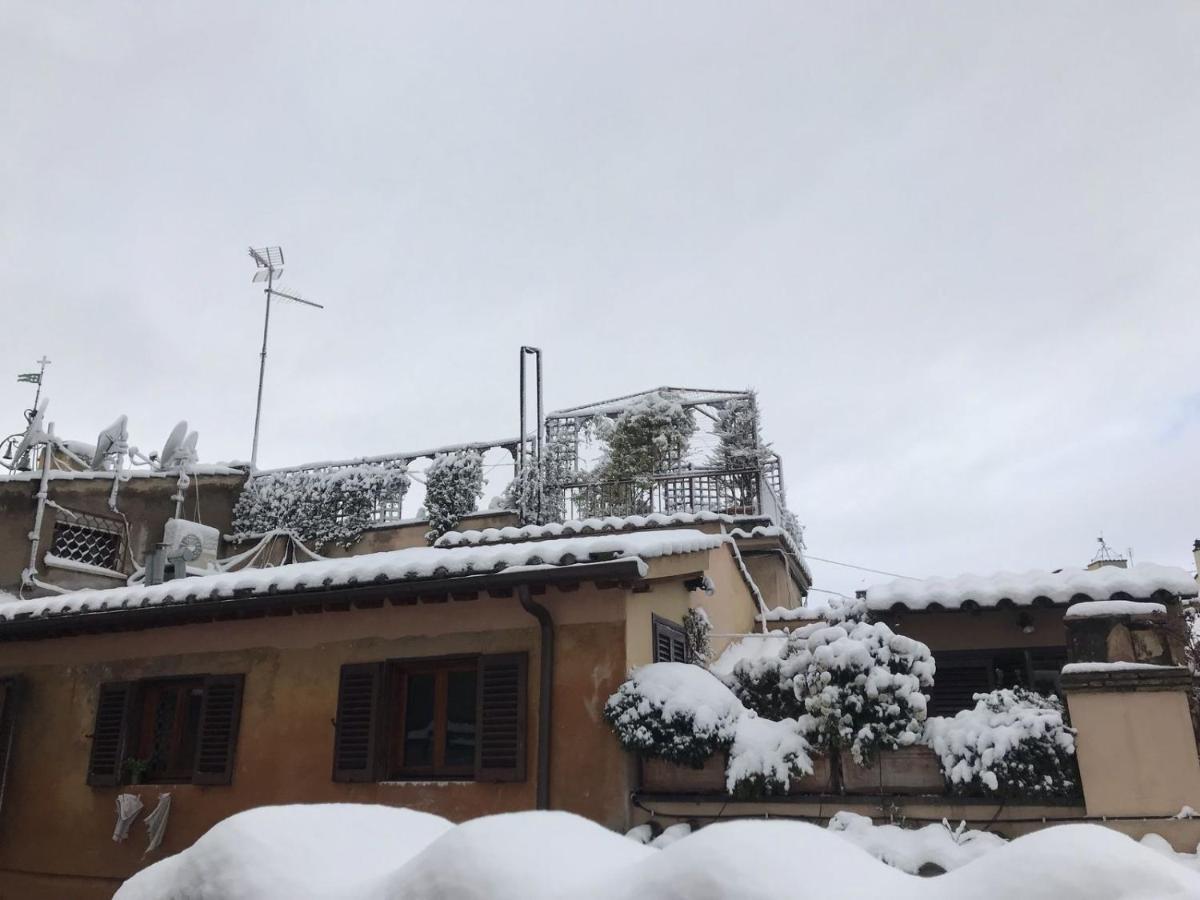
{"x": 739, "y": 492}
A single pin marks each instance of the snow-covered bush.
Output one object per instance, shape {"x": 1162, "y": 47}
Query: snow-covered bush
{"x": 453, "y": 486}
{"x": 861, "y": 686}
{"x": 697, "y": 631}
{"x": 737, "y": 432}
{"x": 332, "y": 506}
{"x": 536, "y": 491}
{"x": 1013, "y": 743}
{"x": 683, "y": 714}
{"x": 675, "y": 711}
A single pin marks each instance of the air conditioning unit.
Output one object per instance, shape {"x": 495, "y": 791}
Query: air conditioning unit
{"x": 196, "y": 543}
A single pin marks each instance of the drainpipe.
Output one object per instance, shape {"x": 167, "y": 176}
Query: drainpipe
{"x": 545, "y": 683}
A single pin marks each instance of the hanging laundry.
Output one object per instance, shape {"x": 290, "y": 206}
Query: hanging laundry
{"x": 156, "y": 822}
{"x": 128, "y": 806}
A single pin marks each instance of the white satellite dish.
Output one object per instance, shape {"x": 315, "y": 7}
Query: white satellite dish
{"x": 189, "y": 446}
{"x": 113, "y": 439}
{"x": 33, "y": 434}
{"x": 171, "y": 447}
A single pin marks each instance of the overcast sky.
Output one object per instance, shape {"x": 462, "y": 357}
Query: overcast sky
{"x": 955, "y": 247}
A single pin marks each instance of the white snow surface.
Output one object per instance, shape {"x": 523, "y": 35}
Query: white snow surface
{"x": 391, "y": 565}
{"x": 380, "y": 853}
{"x": 126, "y": 474}
{"x": 767, "y": 748}
{"x": 908, "y": 849}
{"x": 1077, "y": 668}
{"x": 576, "y": 526}
{"x": 1022, "y": 588}
{"x": 750, "y": 648}
{"x": 1098, "y": 608}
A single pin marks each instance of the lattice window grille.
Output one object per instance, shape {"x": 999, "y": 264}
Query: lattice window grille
{"x": 88, "y": 539}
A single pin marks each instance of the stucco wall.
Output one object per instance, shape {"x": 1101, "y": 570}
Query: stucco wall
{"x": 52, "y": 822}
{"x": 983, "y": 630}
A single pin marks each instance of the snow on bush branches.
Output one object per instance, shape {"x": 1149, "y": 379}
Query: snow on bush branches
{"x": 684, "y": 714}
{"x": 852, "y": 684}
{"x": 453, "y": 485}
{"x": 1014, "y": 743}
{"x": 330, "y": 506}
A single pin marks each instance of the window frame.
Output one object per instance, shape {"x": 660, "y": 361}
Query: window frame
{"x": 143, "y": 726}
{"x": 660, "y": 627}
{"x": 97, "y": 522}
{"x": 396, "y": 708}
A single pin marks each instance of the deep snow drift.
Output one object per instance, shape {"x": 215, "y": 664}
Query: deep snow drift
{"x": 381, "y": 853}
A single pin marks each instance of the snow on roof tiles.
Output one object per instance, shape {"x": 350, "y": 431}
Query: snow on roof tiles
{"x": 412, "y": 564}
{"x": 126, "y": 474}
{"x": 1143, "y": 581}
{"x": 512, "y": 533}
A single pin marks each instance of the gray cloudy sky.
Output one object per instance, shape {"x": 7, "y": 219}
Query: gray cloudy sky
{"x": 955, "y": 246}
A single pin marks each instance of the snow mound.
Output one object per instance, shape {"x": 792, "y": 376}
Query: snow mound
{"x": 299, "y": 852}
{"x": 514, "y": 856}
{"x": 908, "y": 849}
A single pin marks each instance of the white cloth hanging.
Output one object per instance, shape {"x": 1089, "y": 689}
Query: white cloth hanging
{"x": 128, "y": 806}
{"x": 156, "y": 822}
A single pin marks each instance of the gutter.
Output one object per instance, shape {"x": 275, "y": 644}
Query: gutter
{"x": 545, "y": 685}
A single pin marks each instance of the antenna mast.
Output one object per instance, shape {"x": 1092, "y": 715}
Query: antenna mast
{"x": 269, "y": 262}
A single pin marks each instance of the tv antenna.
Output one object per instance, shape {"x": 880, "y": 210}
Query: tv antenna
{"x": 269, "y": 268}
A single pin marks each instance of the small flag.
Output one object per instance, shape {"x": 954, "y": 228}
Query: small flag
{"x": 30, "y": 378}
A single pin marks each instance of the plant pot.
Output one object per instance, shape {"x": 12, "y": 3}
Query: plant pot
{"x": 819, "y": 782}
{"x": 906, "y": 770}
{"x": 662, "y": 777}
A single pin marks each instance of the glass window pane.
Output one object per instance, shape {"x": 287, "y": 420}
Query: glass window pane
{"x": 460, "y": 718}
{"x": 418, "y": 721}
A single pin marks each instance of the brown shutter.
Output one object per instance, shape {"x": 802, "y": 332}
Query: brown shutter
{"x": 110, "y": 733}
{"x": 219, "y": 717}
{"x": 359, "y": 726}
{"x": 670, "y": 643}
{"x": 500, "y": 752}
{"x": 8, "y": 710}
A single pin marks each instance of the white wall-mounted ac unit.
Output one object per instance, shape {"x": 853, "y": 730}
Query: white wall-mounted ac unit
{"x": 209, "y": 540}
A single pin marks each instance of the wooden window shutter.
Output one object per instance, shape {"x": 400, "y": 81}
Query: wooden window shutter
{"x": 670, "y": 643}
{"x": 358, "y": 731}
{"x": 110, "y": 733}
{"x": 500, "y": 749}
{"x": 220, "y": 714}
{"x": 8, "y": 710}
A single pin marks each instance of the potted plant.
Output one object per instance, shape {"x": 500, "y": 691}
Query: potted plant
{"x": 136, "y": 769}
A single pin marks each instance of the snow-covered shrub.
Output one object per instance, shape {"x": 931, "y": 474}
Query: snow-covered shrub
{"x": 766, "y": 755}
{"x": 737, "y": 432}
{"x": 683, "y": 714}
{"x": 675, "y": 711}
{"x": 332, "y": 506}
{"x": 1013, "y": 743}
{"x": 757, "y": 680}
{"x": 453, "y": 486}
{"x": 697, "y": 629}
{"x": 536, "y": 491}
{"x": 861, "y": 686}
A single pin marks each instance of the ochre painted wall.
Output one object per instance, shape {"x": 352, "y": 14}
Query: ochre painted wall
{"x": 55, "y": 831}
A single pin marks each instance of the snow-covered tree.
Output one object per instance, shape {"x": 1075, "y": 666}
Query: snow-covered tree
{"x": 320, "y": 507}
{"x": 697, "y": 631}
{"x": 737, "y": 430}
{"x": 1013, "y": 743}
{"x": 453, "y": 487}
{"x": 861, "y": 686}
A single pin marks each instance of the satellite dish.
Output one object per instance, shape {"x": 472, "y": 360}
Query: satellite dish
{"x": 174, "y": 442}
{"x": 112, "y": 439}
{"x": 189, "y": 446}
{"x": 33, "y": 434}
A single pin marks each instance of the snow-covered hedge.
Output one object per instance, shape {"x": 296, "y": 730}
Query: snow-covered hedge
{"x": 321, "y": 507}
{"x": 453, "y": 486}
{"x": 684, "y": 714}
{"x": 1014, "y": 743}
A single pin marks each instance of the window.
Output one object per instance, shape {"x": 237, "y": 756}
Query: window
{"x": 93, "y": 540}
{"x": 962, "y": 674}
{"x": 174, "y": 730}
{"x": 670, "y": 644}
{"x": 462, "y": 718}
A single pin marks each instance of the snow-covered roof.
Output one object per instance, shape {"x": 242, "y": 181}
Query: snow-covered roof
{"x": 90, "y": 474}
{"x": 1093, "y": 609}
{"x": 1142, "y": 581}
{"x": 686, "y": 396}
{"x": 606, "y": 524}
{"x": 389, "y": 567}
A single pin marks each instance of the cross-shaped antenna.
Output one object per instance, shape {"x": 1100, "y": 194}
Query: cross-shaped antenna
{"x": 268, "y": 263}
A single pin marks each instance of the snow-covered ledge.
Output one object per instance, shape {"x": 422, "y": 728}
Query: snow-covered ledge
{"x": 72, "y": 565}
